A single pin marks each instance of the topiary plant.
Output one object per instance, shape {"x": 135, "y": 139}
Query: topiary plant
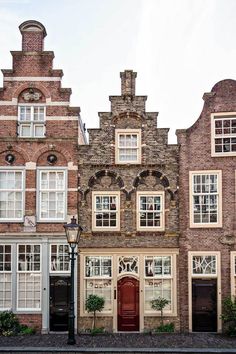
{"x": 93, "y": 304}
{"x": 159, "y": 304}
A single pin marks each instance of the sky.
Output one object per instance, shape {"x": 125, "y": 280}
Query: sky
{"x": 179, "y": 49}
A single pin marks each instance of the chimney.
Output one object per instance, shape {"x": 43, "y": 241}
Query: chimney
{"x": 33, "y": 33}
{"x": 128, "y": 82}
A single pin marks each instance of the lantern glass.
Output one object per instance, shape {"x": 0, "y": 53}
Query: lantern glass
{"x": 73, "y": 231}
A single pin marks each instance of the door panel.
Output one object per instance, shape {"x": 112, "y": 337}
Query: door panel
{"x": 128, "y": 304}
{"x": 59, "y": 303}
{"x": 204, "y": 305}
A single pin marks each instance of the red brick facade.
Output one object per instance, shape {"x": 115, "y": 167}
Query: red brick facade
{"x": 196, "y": 155}
{"x": 32, "y": 82}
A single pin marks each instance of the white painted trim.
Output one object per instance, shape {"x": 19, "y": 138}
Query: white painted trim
{"x": 160, "y": 194}
{"x": 30, "y": 189}
{"x": 49, "y": 102}
{"x": 22, "y": 190}
{"x": 139, "y": 139}
{"x": 71, "y": 166}
{"x": 30, "y": 165}
{"x": 39, "y": 190}
{"x": 210, "y": 276}
{"x": 219, "y": 115}
{"x": 232, "y": 273}
{"x": 115, "y": 253}
{"x": 13, "y": 102}
{"x": 31, "y": 78}
{"x": 8, "y": 117}
{"x": 53, "y": 118}
{"x": 72, "y": 189}
{"x": 205, "y": 225}
{"x": 110, "y": 194}
{"x": 38, "y": 272}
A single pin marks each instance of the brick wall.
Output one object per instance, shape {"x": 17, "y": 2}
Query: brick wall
{"x": 195, "y": 155}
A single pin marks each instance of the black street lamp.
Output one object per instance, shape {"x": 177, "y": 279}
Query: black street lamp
{"x": 73, "y": 231}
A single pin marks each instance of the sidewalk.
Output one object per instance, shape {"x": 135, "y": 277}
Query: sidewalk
{"x": 171, "y": 343}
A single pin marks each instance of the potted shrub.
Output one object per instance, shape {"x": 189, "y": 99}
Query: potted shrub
{"x": 159, "y": 304}
{"x": 93, "y": 304}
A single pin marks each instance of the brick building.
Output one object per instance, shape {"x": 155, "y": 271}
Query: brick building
{"x": 141, "y": 240}
{"x": 207, "y": 210}
{"x": 129, "y": 209}
{"x": 39, "y": 136}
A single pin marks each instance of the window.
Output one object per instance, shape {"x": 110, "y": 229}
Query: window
{"x": 98, "y": 279}
{"x": 29, "y": 277}
{"x": 59, "y": 259}
{"x": 106, "y": 210}
{"x": 11, "y": 195}
{"x": 52, "y": 195}
{"x": 204, "y": 265}
{"x": 31, "y": 121}
{"x": 158, "y": 281}
{"x": 233, "y": 273}
{"x": 224, "y": 134}
{"x": 5, "y": 277}
{"x": 150, "y": 211}
{"x": 128, "y": 264}
{"x": 128, "y": 146}
{"x": 205, "y": 199}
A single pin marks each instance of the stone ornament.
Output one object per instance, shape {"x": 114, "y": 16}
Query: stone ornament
{"x": 31, "y": 95}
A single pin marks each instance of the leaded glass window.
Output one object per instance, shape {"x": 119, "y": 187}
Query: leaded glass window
{"x": 158, "y": 280}
{"x": 205, "y": 264}
{"x": 98, "y": 279}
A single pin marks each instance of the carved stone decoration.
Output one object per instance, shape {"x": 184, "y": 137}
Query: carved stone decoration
{"x": 227, "y": 239}
{"x": 30, "y": 223}
{"x": 31, "y": 95}
{"x": 160, "y": 179}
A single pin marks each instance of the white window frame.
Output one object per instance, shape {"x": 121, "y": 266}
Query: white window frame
{"x": 219, "y": 199}
{"x": 172, "y": 311}
{"x": 160, "y": 194}
{"x": 5, "y": 273}
{"x": 97, "y": 278}
{"x": 40, "y": 191}
{"x": 217, "y": 276}
{"x": 218, "y": 116}
{"x": 119, "y": 132}
{"x": 204, "y": 275}
{"x": 31, "y": 273}
{"x": 117, "y": 211}
{"x": 22, "y": 190}
{"x": 233, "y": 274}
{"x": 57, "y": 255}
{"x": 31, "y": 123}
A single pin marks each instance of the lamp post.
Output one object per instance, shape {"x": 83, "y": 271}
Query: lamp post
{"x": 73, "y": 231}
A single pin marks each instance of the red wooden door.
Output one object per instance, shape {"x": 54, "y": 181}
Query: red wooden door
{"x": 128, "y": 304}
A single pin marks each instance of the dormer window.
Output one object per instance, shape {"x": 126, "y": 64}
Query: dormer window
{"x": 31, "y": 121}
{"x": 128, "y": 146}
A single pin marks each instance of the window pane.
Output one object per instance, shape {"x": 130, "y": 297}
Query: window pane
{"x": 39, "y": 130}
